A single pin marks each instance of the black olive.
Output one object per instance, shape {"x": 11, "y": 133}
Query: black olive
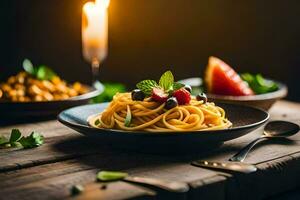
{"x": 202, "y": 97}
{"x": 137, "y": 95}
{"x": 171, "y": 103}
{"x": 188, "y": 88}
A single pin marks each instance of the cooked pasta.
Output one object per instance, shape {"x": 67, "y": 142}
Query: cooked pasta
{"x": 148, "y": 115}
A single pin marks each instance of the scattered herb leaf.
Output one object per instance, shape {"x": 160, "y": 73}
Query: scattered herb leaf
{"x": 259, "y": 84}
{"x": 166, "y": 81}
{"x": 17, "y": 140}
{"x": 146, "y": 86}
{"x": 128, "y": 117}
{"x": 15, "y": 135}
{"x": 33, "y": 140}
{"x": 76, "y": 189}
{"x": 110, "y": 175}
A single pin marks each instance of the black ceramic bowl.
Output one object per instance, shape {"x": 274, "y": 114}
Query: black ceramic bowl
{"x": 245, "y": 119}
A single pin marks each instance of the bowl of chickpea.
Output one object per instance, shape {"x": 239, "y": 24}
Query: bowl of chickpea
{"x": 26, "y": 95}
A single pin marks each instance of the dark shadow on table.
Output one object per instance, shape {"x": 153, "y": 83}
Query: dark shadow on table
{"x": 106, "y": 155}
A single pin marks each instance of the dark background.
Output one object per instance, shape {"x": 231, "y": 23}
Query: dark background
{"x": 146, "y": 37}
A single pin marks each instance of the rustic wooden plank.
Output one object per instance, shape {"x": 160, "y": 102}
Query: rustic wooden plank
{"x": 208, "y": 183}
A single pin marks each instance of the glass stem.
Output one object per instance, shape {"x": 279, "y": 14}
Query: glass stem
{"x": 95, "y": 70}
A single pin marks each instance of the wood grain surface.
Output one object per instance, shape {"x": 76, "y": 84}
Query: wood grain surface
{"x": 67, "y": 158}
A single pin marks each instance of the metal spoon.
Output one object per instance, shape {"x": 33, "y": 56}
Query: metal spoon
{"x": 274, "y": 129}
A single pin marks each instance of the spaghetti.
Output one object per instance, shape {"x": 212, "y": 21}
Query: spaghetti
{"x": 152, "y": 116}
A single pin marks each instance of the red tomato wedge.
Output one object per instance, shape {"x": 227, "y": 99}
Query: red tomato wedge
{"x": 221, "y": 79}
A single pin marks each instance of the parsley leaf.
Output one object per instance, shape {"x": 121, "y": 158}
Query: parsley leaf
{"x": 146, "y": 86}
{"x": 15, "y": 135}
{"x": 111, "y": 175}
{"x": 166, "y": 80}
{"x": 33, "y": 140}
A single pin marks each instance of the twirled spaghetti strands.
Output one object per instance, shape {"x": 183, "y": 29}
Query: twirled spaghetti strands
{"x": 152, "y": 116}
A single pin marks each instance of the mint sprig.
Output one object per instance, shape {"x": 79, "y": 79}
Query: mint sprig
{"x": 166, "y": 82}
{"x": 17, "y": 140}
{"x": 146, "y": 86}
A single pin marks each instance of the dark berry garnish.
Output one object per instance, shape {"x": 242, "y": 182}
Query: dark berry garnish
{"x": 159, "y": 95}
{"x": 202, "y": 97}
{"x": 171, "y": 103}
{"x": 182, "y": 96}
{"x": 137, "y": 95}
{"x": 188, "y": 88}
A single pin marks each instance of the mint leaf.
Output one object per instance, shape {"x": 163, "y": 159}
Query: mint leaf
{"x": 128, "y": 117}
{"x": 15, "y": 136}
{"x": 146, "y": 86}
{"x": 110, "y": 175}
{"x": 45, "y": 73}
{"x": 177, "y": 86}
{"x": 166, "y": 80}
{"x": 33, "y": 140}
{"x": 28, "y": 67}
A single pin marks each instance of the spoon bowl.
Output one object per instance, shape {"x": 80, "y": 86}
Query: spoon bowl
{"x": 281, "y": 129}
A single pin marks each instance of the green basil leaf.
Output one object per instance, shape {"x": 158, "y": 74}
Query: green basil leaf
{"x": 128, "y": 117}
{"x": 166, "y": 80}
{"x": 28, "y": 67}
{"x": 45, "y": 73}
{"x": 146, "y": 86}
{"x": 110, "y": 175}
{"x": 97, "y": 122}
{"x": 259, "y": 84}
{"x": 15, "y": 135}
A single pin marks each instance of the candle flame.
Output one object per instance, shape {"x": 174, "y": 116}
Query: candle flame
{"x": 102, "y": 3}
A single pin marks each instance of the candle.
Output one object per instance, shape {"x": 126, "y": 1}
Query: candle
{"x": 95, "y": 30}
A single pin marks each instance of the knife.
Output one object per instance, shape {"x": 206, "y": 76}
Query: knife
{"x": 230, "y": 166}
{"x": 173, "y": 186}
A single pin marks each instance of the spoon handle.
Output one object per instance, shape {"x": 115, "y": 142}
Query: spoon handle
{"x": 242, "y": 154}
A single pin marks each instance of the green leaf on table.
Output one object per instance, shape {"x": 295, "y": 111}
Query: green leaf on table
{"x": 45, "y": 73}
{"x": 146, "y": 86}
{"x": 111, "y": 175}
{"x": 3, "y": 141}
{"x": 28, "y": 67}
{"x": 33, "y": 140}
{"x": 76, "y": 189}
{"x": 128, "y": 117}
{"x": 15, "y": 135}
{"x": 166, "y": 80}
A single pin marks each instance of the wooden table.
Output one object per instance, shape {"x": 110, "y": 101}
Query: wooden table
{"x": 67, "y": 158}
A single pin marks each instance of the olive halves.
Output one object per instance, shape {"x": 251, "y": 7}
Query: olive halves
{"x": 202, "y": 97}
{"x": 137, "y": 95}
{"x": 188, "y": 88}
{"x": 171, "y": 103}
